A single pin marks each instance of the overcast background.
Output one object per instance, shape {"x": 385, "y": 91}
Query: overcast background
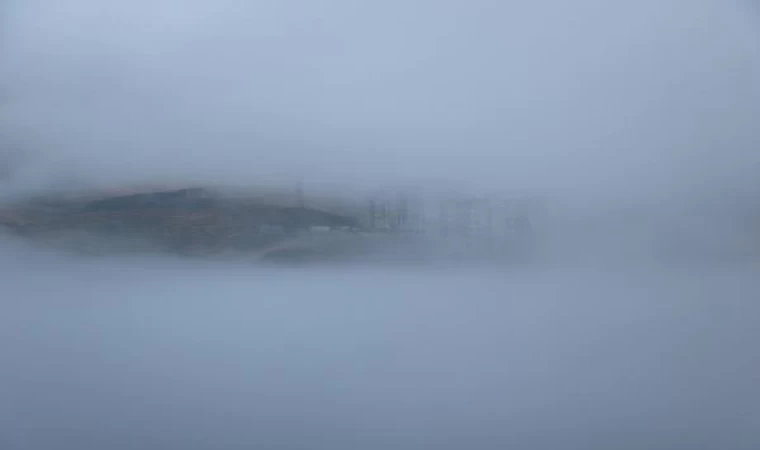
{"x": 646, "y": 98}
{"x": 601, "y": 346}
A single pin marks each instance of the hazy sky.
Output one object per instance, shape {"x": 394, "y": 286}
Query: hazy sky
{"x": 591, "y": 96}
{"x": 600, "y": 348}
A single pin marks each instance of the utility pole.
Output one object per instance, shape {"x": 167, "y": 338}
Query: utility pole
{"x": 372, "y": 214}
{"x": 300, "y": 196}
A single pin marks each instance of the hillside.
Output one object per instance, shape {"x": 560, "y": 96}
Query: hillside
{"x": 191, "y": 220}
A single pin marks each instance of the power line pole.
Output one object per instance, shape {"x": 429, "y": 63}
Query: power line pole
{"x": 300, "y": 195}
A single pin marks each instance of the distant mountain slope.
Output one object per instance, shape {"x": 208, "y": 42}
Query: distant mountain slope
{"x": 183, "y": 220}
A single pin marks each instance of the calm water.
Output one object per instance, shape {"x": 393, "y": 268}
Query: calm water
{"x": 158, "y": 354}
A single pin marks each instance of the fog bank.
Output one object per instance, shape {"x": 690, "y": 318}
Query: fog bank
{"x": 154, "y": 354}
{"x": 590, "y": 99}
{"x": 635, "y": 329}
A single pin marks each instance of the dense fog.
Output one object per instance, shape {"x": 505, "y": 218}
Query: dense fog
{"x": 634, "y": 328}
{"x": 589, "y": 98}
{"x": 135, "y": 354}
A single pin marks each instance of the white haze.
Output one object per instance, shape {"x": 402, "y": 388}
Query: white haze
{"x": 153, "y": 354}
{"x": 592, "y": 97}
{"x": 647, "y": 105}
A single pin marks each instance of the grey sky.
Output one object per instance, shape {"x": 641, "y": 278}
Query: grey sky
{"x": 603, "y": 347}
{"x": 592, "y": 96}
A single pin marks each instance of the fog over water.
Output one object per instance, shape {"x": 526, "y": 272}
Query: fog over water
{"x": 156, "y": 354}
{"x": 637, "y": 119}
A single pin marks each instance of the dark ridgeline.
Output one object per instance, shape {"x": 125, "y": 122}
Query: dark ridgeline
{"x": 197, "y": 221}
{"x": 193, "y": 220}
